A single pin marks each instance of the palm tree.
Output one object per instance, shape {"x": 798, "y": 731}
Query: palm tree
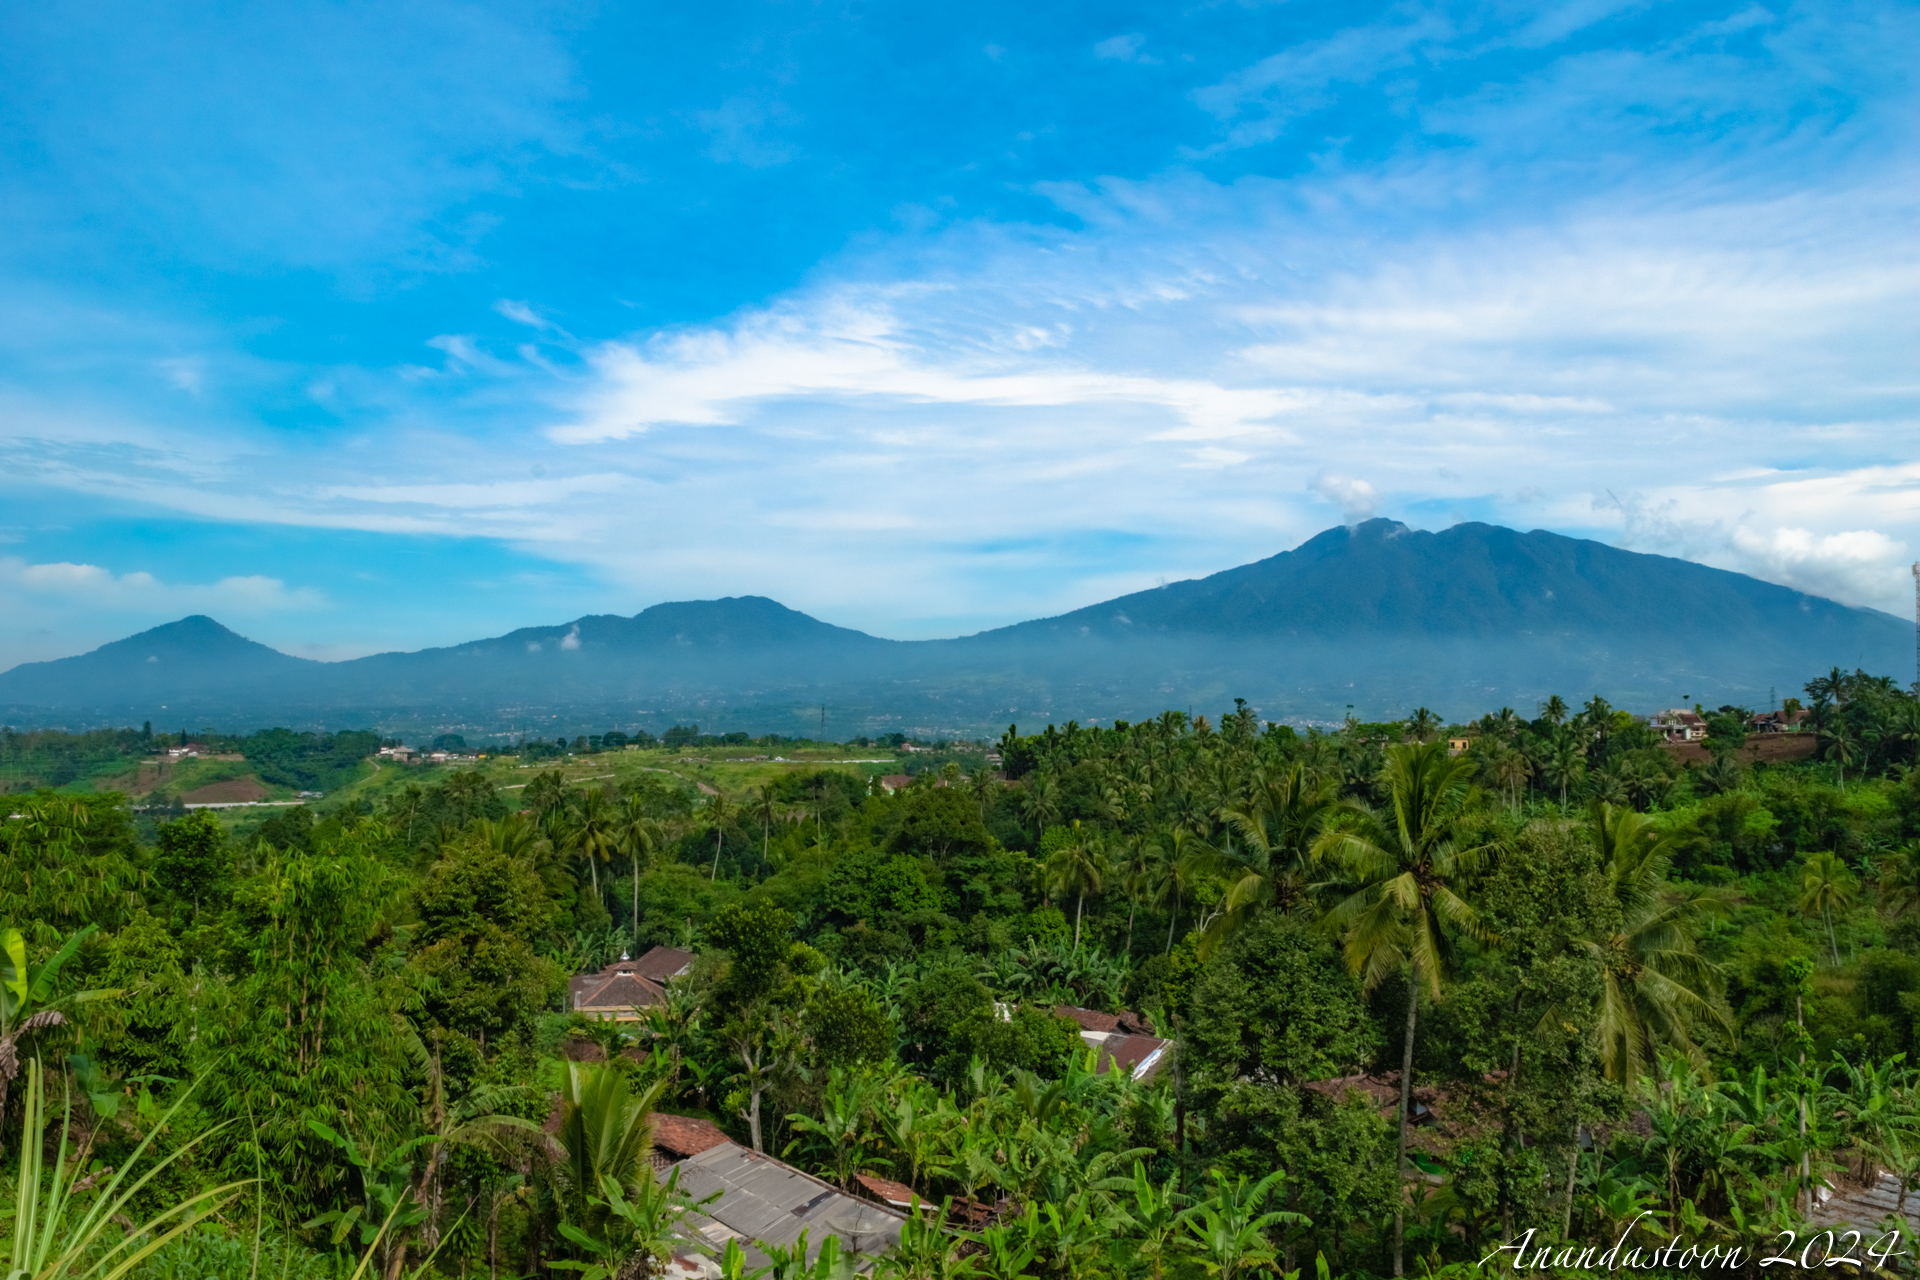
{"x": 1904, "y": 725}
{"x": 1563, "y": 764}
{"x": 1900, "y": 882}
{"x": 1826, "y": 883}
{"x": 1422, "y": 724}
{"x": 1077, "y": 867}
{"x": 1283, "y": 817}
{"x": 982, "y": 784}
{"x": 637, "y": 838}
{"x": 1136, "y": 870}
{"x": 1554, "y": 710}
{"x": 547, "y": 792}
{"x": 719, "y": 813}
{"x": 1041, "y": 803}
{"x": 1654, "y": 985}
{"x": 763, "y": 809}
{"x": 1838, "y": 744}
{"x": 1407, "y": 868}
{"x": 594, "y": 831}
{"x": 1511, "y": 770}
{"x": 606, "y": 1131}
{"x": 1182, "y": 858}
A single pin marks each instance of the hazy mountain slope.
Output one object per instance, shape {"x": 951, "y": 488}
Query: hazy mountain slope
{"x": 1377, "y": 616}
{"x": 192, "y": 660}
{"x": 1382, "y": 579}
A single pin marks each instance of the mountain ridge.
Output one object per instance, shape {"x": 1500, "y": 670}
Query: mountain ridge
{"x": 1376, "y": 614}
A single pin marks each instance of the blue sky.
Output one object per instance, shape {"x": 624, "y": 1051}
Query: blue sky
{"x": 378, "y": 326}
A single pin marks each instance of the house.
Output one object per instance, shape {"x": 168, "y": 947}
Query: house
{"x": 1678, "y": 724}
{"x": 1458, "y": 746}
{"x": 1123, "y": 1041}
{"x": 763, "y": 1202}
{"x": 1778, "y": 721}
{"x": 892, "y": 782}
{"x": 187, "y": 751}
{"x": 621, "y": 990}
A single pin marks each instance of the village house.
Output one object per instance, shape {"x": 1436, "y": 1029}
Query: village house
{"x": 1678, "y": 724}
{"x": 621, "y": 990}
{"x": 1123, "y": 1041}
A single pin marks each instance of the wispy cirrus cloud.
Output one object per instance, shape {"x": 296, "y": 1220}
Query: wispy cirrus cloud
{"x": 1644, "y": 275}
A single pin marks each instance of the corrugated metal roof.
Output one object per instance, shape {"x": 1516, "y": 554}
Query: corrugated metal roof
{"x": 771, "y": 1203}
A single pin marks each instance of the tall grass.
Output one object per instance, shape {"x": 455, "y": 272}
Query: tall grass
{"x": 64, "y": 1228}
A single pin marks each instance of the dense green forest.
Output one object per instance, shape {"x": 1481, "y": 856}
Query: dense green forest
{"x": 1596, "y": 992}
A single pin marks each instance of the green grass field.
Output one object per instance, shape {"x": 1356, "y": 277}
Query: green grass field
{"x": 731, "y": 771}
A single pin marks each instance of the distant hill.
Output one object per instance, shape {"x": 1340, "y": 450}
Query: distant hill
{"x": 192, "y": 662}
{"x": 1377, "y": 616}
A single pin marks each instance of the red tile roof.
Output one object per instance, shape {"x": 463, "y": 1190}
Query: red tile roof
{"x": 1141, "y": 1056}
{"x": 1089, "y": 1019}
{"x": 684, "y": 1136}
{"x": 625, "y": 991}
{"x": 1124, "y": 1022}
{"x": 661, "y": 963}
{"x": 886, "y": 1191}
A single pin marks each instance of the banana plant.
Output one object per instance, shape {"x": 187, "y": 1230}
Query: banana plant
{"x": 790, "y": 1262}
{"x": 926, "y": 1250}
{"x": 1230, "y": 1231}
{"x": 27, "y": 1003}
{"x": 1153, "y": 1218}
{"x": 388, "y": 1205}
{"x": 645, "y": 1227}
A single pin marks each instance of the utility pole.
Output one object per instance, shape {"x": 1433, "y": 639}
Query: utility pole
{"x": 1916, "y": 626}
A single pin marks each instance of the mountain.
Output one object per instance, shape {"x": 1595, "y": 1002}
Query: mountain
{"x": 1378, "y": 617}
{"x": 192, "y": 661}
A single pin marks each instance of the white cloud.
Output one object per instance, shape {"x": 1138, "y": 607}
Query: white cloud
{"x": 987, "y": 422}
{"x": 93, "y": 587}
{"x": 1356, "y": 499}
{"x": 1854, "y": 564}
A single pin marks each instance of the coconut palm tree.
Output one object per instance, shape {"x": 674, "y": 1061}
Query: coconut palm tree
{"x": 763, "y": 809}
{"x": 1511, "y": 770}
{"x": 1407, "y": 869}
{"x": 1838, "y": 744}
{"x": 719, "y": 814}
{"x": 1283, "y": 816}
{"x": 1040, "y": 804}
{"x": 982, "y": 784}
{"x": 593, "y": 831}
{"x": 1563, "y": 763}
{"x": 606, "y": 1133}
{"x": 1654, "y": 986}
{"x": 1181, "y": 859}
{"x": 1078, "y": 867}
{"x": 1554, "y": 710}
{"x": 637, "y": 838}
{"x": 1135, "y": 868}
{"x": 1422, "y": 724}
{"x": 1900, "y": 882}
{"x": 1826, "y": 883}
